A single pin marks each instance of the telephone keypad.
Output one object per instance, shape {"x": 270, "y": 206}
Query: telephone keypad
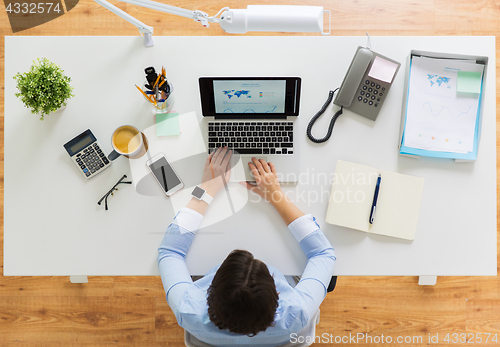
{"x": 376, "y": 90}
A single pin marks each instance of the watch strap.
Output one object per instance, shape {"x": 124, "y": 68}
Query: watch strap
{"x": 207, "y": 198}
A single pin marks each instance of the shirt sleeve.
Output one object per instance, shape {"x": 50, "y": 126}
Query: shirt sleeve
{"x": 320, "y": 262}
{"x": 172, "y": 255}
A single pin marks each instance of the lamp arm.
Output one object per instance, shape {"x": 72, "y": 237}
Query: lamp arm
{"x": 198, "y": 16}
{"x": 143, "y": 28}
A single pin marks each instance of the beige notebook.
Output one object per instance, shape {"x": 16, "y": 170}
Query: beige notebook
{"x": 398, "y": 200}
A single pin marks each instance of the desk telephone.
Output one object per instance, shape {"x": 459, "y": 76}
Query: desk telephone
{"x": 363, "y": 90}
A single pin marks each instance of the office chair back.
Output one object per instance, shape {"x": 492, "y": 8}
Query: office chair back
{"x": 305, "y": 336}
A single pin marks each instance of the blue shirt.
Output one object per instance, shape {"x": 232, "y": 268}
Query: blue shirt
{"x": 188, "y": 299}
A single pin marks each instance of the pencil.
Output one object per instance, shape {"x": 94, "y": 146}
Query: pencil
{"x": 157, "y": 79}
{"x": 145, "y": 95}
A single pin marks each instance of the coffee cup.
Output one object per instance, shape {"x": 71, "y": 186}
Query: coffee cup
{"x": 128, "y": 141}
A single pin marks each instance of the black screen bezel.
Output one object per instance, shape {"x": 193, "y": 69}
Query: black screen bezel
{"x": 292, "y": 98}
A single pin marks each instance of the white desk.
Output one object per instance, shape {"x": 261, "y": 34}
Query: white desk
{"x": 53, "y": 225}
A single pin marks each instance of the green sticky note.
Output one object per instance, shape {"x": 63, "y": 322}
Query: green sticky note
{"x": 167, "y": 124}
{"x": 469, "y": 82}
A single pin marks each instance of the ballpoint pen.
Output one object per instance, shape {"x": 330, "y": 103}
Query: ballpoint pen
{"x": 375, "y": 198}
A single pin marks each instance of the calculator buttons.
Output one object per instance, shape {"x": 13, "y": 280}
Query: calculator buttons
{"x": 91, "y": 160}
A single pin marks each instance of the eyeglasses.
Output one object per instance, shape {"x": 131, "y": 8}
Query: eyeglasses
{"x": 105, "y": 197}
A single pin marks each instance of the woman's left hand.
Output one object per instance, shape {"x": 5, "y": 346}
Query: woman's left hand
{"x": 217, "y": 171}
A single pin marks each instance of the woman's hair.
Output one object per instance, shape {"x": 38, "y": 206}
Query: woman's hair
{"x": 242, "y": 297}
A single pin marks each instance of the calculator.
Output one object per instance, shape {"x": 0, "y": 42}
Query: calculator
{"x": 87, "y": 154}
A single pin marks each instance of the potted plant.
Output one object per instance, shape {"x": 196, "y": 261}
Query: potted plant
{"x": 44, "y": 88}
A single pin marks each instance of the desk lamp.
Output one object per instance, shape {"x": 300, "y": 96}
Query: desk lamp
{"x": 284, "y": 18}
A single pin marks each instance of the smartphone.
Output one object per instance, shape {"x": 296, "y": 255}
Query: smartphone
{"x": 164, "y": 174}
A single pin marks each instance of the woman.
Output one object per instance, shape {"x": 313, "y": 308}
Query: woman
{"x": 243, "y": 301}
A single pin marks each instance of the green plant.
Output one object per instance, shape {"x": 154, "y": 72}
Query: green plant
{"x": 44, "y": 88}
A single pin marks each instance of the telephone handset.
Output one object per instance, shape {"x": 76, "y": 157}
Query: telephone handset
{"x": 363, "y": 89}
{"x": 367, "y": 83}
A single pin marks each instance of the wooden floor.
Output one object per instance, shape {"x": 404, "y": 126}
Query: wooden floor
{"x": 131, "y": 311}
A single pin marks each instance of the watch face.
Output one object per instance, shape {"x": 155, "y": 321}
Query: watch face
{"x": 198, "y": 192}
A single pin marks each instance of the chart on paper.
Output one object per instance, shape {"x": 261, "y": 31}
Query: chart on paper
{"x": 439, "y": 117}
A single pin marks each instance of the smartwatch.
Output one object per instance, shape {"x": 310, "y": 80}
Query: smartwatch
{"x": 201, "y": 194}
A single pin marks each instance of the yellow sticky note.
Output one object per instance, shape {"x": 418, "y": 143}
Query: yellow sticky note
{"x": 167, "y": 124}
{"x": 469, "y": 82}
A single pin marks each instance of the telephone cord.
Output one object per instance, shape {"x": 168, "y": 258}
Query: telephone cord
{"x": 319, "y": 114}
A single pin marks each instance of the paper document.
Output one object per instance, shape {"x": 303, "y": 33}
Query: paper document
{"x": 440, "y": 116}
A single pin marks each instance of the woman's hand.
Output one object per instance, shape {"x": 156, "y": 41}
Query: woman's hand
{"x": 267, "y": 184}
{"x": 268, "y": 187}
{"x": 216, "y": 171}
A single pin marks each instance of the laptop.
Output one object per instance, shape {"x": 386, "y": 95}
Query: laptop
{"x": 253, "y": 117}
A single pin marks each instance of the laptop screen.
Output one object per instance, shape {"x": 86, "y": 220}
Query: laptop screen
{"x": 250, "y": 97}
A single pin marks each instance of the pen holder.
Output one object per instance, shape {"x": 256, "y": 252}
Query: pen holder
{"x": 164, "y": 103}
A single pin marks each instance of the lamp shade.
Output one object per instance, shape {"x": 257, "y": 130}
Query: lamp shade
{"x": 286, "y": 18}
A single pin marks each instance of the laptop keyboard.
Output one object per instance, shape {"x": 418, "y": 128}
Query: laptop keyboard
{"x": 251, "y": 137}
